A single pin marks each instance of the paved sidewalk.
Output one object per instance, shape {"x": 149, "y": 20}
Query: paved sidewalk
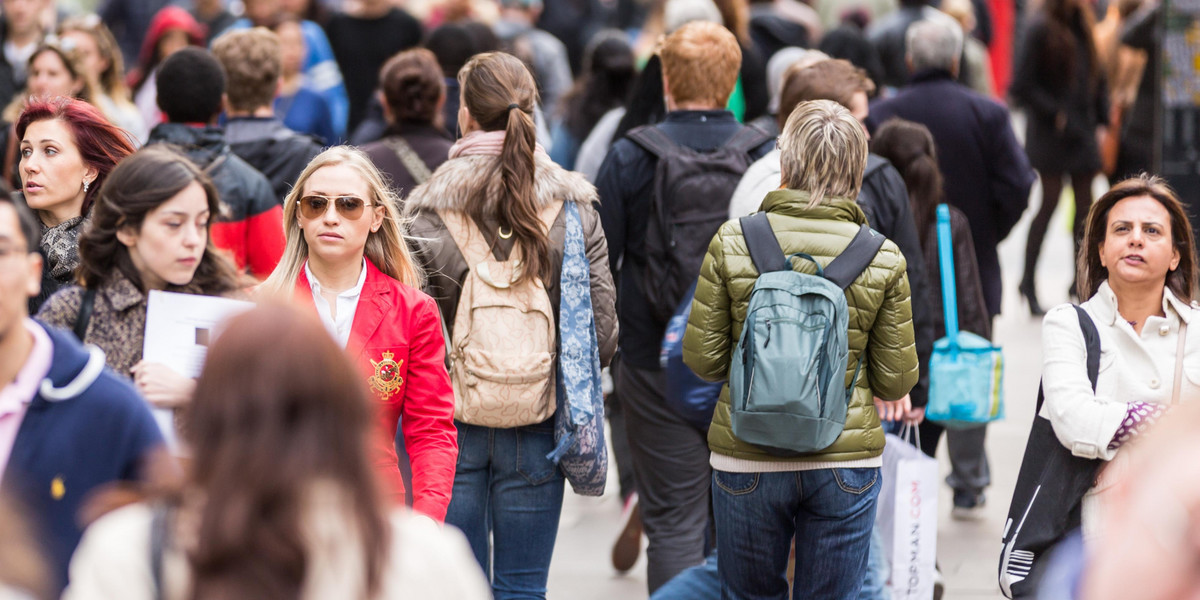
{"x": 968, "y": 552}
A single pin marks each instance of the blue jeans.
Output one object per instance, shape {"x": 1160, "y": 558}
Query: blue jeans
{"x": 701, "y": 582}
{"x": 506, "y": 487}
{"x": 830, "y": 512}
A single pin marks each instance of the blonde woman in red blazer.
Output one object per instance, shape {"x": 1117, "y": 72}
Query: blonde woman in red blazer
{"x": 347, "y": 259}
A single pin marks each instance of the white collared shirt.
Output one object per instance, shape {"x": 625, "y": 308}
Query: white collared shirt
{"x": 347, "y": 305}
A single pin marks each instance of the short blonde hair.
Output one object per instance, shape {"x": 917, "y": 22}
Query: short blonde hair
{"x": 252, "y": 62}
{"x": 823, "y": 151}
{"x": 387, "y": 248}
{"x": 701, "y": 63}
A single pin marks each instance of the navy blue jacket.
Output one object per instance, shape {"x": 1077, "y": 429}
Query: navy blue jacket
{"x": 625, "y": 185}
{"x": 986, "y": 173}
{"x": 85, "y": 428}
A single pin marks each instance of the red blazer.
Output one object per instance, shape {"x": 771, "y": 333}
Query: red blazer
{"x": 396, "y": 341}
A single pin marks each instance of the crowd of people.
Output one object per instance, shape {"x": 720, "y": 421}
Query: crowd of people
{"x": 467, "y": 237}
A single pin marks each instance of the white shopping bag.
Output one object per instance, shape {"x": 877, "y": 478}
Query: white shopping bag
{"x": 908, "y": 516}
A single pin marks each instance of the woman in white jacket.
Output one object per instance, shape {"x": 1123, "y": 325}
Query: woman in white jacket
{"x": 1137, "y": 268}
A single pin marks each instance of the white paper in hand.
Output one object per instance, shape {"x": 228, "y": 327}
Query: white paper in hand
{"x": 179, "y": 329}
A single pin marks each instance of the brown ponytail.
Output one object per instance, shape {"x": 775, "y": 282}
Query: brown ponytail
{"x": 909, "y": 147}
{"x": 500, "y": 94}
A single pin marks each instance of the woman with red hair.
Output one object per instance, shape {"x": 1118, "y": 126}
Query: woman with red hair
{"x": 67, "y": 148}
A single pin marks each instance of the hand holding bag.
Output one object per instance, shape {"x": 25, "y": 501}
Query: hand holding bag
{"x": 966, "y": 372}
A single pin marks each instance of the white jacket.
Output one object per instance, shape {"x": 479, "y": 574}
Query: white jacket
{"x": 426, "y": 561}
{"x": 1132, "y": 369}
{"x": 761, "y": 177}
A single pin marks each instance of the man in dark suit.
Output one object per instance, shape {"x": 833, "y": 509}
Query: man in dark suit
{"x": 986, "y": 175}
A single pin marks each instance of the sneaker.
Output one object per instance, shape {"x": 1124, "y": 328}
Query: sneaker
{"x": 968, "y": 506}
{"x": 629, "y": 544}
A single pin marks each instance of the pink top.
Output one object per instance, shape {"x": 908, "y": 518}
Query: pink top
{"x": 16, "y": 396}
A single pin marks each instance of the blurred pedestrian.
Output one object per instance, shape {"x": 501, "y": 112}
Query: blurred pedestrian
{"x": 172, "y": 29}
{"x": 301, "y": 108}
{"x": 282, "y": 499}
{"x": 1060, "y": 82}
{"x": 347, "y": 261}
{"x": 103, "y": 64}
{"x": 363, "y": 40}
{"x": 500, "y": 197}
{"x": 191, "y": 94}
{"x": 608, "y": 72}
{"x": 416, "y": 143}
{"x": 251, "y": 59}
{"x": 69, "y": 427}
{"x": 985, "y": 174}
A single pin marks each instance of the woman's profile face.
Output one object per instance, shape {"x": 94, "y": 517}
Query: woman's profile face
{"x": 168, "y": 247}
{"x": 335, "y": 232}
{"x": 49, "y": 76}
{"x": 52, "y": 169}
{"x": 1138, "y": 246}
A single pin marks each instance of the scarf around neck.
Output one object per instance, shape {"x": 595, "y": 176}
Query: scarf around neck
{"x": 60, "y": 245}
{"x": 484, "y": 142}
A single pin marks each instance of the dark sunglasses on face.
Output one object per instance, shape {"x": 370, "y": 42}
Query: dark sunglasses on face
{"x": 314, "y": 206}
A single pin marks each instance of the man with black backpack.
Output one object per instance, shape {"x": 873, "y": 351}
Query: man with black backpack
{"x": 664, "y": 191}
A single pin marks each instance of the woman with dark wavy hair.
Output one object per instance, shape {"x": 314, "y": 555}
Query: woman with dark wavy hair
{"x": 149, "y": 232}
{"x": 66, "y": 149}
{"x": 281, "y": 501}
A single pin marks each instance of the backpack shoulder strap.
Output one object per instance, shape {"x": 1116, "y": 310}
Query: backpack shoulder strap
{"x": 654, "y": 140}
{"x": 747, "y": 138}
{"x": 85, "y": 313}
{"x": 764, "y": 247}
{"x": 466, "y": 236}
{"x": 855, "y": 258}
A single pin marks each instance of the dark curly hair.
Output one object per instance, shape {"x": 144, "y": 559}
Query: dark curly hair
{"x": 413, "y": 86}
{"x": 142, "y": 182}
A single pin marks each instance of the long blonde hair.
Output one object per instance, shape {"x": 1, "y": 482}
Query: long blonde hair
{"x": 386, "y": 248}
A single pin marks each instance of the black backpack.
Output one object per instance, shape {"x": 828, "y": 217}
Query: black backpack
{"x": 690, "y": 202}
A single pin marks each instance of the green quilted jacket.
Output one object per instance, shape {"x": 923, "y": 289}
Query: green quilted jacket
{"x": 880, "y": 319}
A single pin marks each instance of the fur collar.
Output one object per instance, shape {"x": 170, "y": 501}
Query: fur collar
{"x": 448, "y": 188}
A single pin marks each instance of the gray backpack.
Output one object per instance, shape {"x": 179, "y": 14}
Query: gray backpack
{"x": 786, "y": 380}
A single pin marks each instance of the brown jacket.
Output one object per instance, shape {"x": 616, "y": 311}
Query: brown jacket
{"x": 117, "y": 325}
{"x": 446, "y": 267}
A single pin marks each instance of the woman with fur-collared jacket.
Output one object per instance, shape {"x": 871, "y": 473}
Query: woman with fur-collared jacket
{"x": 1138, "y": 271}
{"x": 347, "y": 261}
{"x": 500, "y": 197}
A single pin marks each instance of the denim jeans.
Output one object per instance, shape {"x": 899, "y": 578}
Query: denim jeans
{"x": 830, "y": 512}
{"x": 506, "y": 487}
{"x": 701, "y": 582}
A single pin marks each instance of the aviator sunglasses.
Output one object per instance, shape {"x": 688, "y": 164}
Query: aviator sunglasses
{"x": 314, "y": 206}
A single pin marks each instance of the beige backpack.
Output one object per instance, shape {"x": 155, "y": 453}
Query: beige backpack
{"x": 503, "y": 348}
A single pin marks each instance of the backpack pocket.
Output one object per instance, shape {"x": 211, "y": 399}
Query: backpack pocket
{"x": 781, "y": 380}
{"x": 503, "y": 372}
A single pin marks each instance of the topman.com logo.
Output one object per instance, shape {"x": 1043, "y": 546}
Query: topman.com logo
{"x": 914, "y": 539}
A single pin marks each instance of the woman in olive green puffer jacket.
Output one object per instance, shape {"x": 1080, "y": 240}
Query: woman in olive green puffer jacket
{"x": 827, "y": 496}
